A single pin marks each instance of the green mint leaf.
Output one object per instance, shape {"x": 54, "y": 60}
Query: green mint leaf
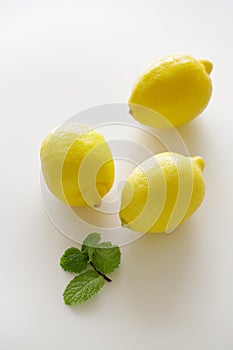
{"x": 83, "y": 287}
{"x": 89, "y": 244}
{"x": 73, "y": 260}
{"x": 105, "y": 245}
{"x": 106, "y": 257}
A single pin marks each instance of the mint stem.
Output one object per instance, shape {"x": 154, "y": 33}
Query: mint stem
{"x": 105, "y": 277}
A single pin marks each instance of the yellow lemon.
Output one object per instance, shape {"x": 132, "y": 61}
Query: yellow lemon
{"x": 77, "y": 165}
{"x": 172, "y": 92}
{"x": 162, "y": 192}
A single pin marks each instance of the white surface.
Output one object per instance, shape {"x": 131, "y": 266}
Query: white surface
{"x": 171, "y": 292}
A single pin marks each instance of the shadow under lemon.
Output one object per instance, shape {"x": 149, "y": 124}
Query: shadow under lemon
{"x": 157, "y": 271}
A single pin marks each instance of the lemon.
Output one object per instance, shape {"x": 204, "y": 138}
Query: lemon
{"x": 77, "y": 165}
{"x": 162, "y": 192}
{"x": 173, "y": 91}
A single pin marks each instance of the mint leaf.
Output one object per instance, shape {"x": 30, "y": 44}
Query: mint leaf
{"x": 83, "y": 287}
{"x": 106, "y": 257}
{"x": 89, "y": 243}
{"x": 73, "y": 260}
{"x": 105, "y": 245}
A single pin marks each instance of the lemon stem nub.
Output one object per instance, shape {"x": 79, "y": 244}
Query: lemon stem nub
{"x": 123, "y": 223}
{"x": 208, "y": 65}
{"x": 200, "y": 162}
{"x": 130, "y": 111}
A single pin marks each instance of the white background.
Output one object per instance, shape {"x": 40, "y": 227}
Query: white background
{"x": 171, "y": 292}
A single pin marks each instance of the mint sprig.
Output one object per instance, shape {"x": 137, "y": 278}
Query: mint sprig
{"x": 101, "y": 257}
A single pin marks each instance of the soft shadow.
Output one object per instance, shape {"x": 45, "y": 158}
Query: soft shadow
{"x": 159, "y": 267}
{"x": 188, "y": 139}
{"x": 196, "y": 134}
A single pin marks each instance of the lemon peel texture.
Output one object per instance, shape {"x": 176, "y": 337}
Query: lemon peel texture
{"x": 171, "y": 92}
{"x": 162, "y": 192}
{"x": 77, "y": 165}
